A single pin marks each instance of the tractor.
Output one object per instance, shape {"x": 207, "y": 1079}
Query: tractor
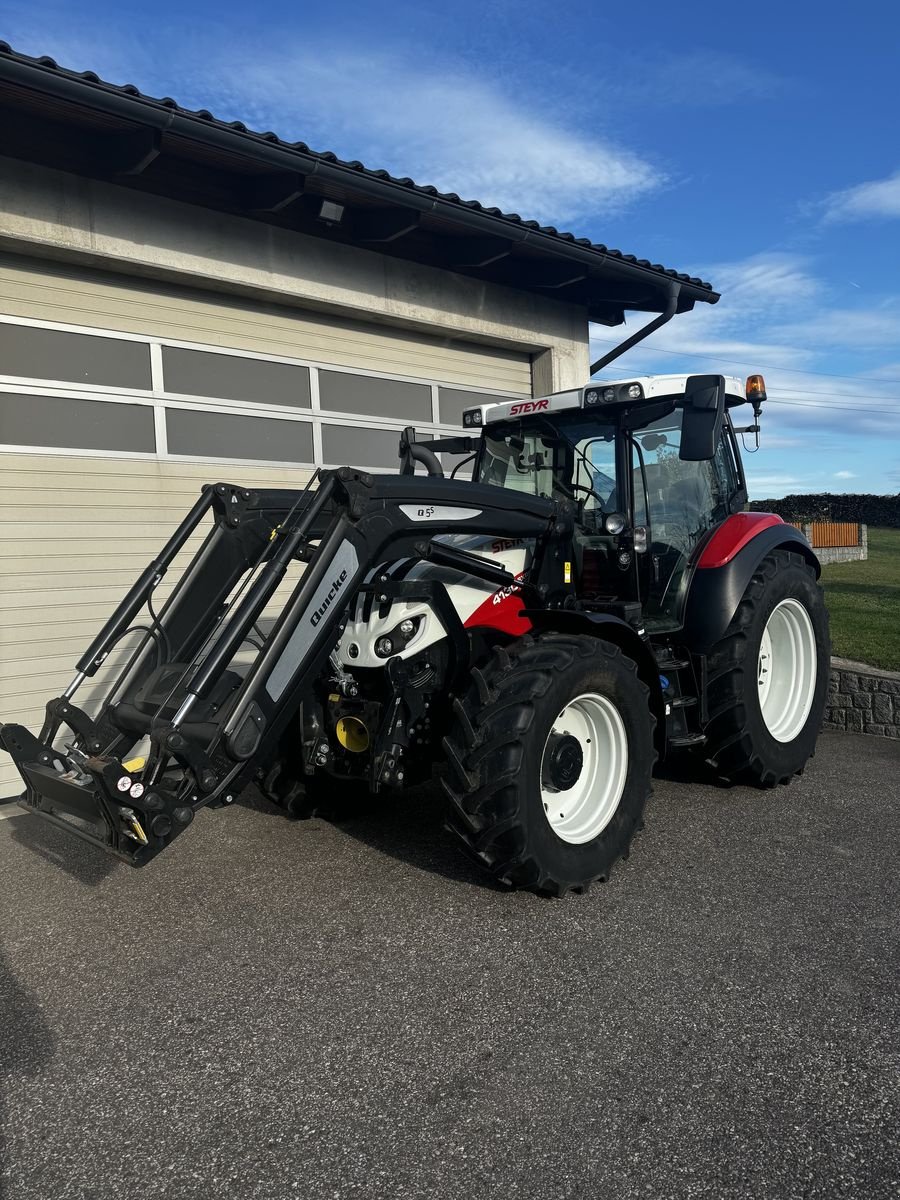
{"x": 593, "y": 599}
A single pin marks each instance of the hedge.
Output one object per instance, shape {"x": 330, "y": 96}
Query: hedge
{"x": 881, "y": 511}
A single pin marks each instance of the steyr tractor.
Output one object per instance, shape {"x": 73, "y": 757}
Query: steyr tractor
{"x": 593, "y": 599}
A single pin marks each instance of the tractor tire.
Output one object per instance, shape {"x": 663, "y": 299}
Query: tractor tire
{"x": 549, "y": 762}
{"x": 330, "y": 799}
{"x": 305, "y": 796}
{"x": 767, "y": 679}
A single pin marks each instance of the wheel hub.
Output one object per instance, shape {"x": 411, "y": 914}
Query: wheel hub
{"x": 563, "y": 762}
{"x": 787, "y": 670}
{"x": 584, "y": 768}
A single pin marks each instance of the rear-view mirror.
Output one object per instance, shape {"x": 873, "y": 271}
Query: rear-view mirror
{"x": 704, "y": 414}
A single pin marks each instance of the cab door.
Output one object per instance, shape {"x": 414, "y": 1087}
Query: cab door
{"x": 678, "y": 502}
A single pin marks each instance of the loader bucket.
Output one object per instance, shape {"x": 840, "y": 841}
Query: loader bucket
{"x": 98, "y": 800}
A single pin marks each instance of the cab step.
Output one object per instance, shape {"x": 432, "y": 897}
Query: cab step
{"x": 688, "y": 739}
{"x": 672, "y": 664}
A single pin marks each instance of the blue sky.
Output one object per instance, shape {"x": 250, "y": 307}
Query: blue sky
{"x": 754, "y": 145}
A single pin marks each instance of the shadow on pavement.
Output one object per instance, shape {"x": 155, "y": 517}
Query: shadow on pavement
{"x": 688, "y": 768}
{"x": 410, "y": 828}
{"x": 85, "y": 862}
{"x": 407, "y": 827}
{"x": 26, "y": 1045}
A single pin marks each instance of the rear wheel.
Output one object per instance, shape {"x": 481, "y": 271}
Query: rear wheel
{"x": 549, "y": 762}
{"x": 768, "y": 676}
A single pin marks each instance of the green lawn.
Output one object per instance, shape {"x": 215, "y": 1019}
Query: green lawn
{"x": 864, "y": 601}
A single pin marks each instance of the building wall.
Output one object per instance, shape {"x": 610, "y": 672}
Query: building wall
{"x": 55, "y": 214}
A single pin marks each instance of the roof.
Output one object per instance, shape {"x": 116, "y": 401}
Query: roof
{"x": 654, "y": 388}
{"x": 78, "y": 122}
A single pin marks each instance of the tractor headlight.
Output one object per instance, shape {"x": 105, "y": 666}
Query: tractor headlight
{"x": 393, "y": 642}
{"x": 614, "y": 522}
{"x": 472, "y": 416}
{"x": 612, "y": 395}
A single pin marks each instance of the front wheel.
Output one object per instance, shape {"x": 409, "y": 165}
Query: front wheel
{"x": 549, "y": 762}
{"x": 768, "y": 677}
{"x": 304, "y": 796}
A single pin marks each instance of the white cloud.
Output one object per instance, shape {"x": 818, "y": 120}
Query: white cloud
{"x": 441, "y": 125}
{"x": 744, "y": 331}
{"x": 878, "y": 198}
{"x": 889, "y": 371}
{"x": 844, "y": 475}
{"x": 784, "y": 483}
{"x": 856, "y": 329}
{"x": 413, "y": 115}
{"x": 774, "y": 318}
{"x": 761, "y": 283}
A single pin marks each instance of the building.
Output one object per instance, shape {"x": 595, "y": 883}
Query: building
{"x": 184, "y": 300}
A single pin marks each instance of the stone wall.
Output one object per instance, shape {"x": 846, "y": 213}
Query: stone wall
{"x": 862, "y": 699}
{"x": 837, "y": 554}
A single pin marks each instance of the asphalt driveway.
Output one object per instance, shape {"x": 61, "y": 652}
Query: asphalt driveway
{"x": 289, "y": 1010}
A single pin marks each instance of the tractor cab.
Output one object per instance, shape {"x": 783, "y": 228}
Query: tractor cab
{"x": 651, "y": 466}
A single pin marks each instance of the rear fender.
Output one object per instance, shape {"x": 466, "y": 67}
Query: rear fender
{"x": 620, "y": 633}
{"x": 715, "y": 591}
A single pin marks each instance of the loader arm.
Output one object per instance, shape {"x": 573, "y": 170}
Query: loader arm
{"x": 209, "y": 727}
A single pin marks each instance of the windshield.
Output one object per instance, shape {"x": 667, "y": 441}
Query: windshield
{"x": 568, "y": 457}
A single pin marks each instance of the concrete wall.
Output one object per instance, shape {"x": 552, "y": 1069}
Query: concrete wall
{"x": 65, "y": 216}
{"x": 862, "y": 699}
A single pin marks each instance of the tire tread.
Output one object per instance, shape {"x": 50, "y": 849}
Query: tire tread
{"x": 493, "y": 723}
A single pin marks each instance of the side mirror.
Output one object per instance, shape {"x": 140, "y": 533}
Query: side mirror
{"x": 704, "y": 415}
{"x": 411, "y": 452}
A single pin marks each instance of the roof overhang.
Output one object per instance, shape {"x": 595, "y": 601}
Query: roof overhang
{"x": 78, "y": 123}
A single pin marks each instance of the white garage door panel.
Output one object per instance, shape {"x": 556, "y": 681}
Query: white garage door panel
{"x": 62, "y": 575}
{"x": 100, "y": 517}
{"x": 57, "y": 655}
{"x": 51, "y": 292}
{"x": 20, "y": 581}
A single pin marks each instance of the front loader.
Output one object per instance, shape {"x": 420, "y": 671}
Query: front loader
{"x": 593, "y": 599}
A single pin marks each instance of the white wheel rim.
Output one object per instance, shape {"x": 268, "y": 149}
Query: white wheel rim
{"x": 786, "y": 673}
{"x": 581, "y": 812}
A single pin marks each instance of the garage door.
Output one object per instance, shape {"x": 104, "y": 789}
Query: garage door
{"x": 119, "y": 397}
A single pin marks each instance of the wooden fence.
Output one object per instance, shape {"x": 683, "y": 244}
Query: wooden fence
{"x": 830, "y": 534}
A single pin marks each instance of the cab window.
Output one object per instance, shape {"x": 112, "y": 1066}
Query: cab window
{"x": 570, "y": 458}
{"x": 678, "y": 501}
